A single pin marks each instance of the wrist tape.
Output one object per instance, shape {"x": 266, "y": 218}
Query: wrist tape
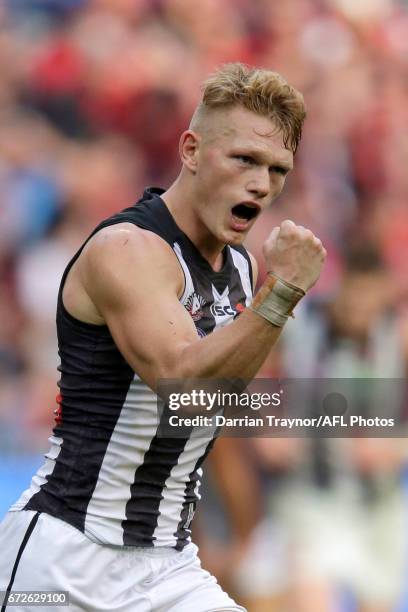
{"x": 276, "y": 300}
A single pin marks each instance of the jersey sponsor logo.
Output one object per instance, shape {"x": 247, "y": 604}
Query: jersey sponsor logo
{"x": 194, "y": 305}
{"x": 220, "y": 310}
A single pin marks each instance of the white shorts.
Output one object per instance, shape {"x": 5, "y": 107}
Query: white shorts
{"x": 42, "y": 553}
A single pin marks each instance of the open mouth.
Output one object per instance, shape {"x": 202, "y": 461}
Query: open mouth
{"x": 245, "y": 211}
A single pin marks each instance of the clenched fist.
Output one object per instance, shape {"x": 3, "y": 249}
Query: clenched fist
{"x": 295, "y": 254}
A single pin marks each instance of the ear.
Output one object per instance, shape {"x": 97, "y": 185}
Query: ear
{"x": 188, "y": 149}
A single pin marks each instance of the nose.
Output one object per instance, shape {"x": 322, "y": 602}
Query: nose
{"x": 259, "y": 185}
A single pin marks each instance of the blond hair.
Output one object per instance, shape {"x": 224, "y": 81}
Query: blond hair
{"x": 259, "y": 90}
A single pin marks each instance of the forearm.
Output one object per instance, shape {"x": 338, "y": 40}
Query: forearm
{"x": 240, "y": 349}
{"x": 235, "y": 351}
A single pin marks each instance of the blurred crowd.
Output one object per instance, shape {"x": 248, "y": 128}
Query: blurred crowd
{"x": 93, "y": 97}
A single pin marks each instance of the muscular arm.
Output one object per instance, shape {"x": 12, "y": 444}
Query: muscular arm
{"x": 133, "y": 279}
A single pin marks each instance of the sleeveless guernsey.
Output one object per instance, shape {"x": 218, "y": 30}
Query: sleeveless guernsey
{"x": 107, "y": 472}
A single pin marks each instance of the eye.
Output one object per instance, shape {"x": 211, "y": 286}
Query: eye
{"x": 246, "y": 159}
{"x": 279, "y": 169}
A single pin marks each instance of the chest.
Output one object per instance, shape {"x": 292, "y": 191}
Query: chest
{"x": 215, "y": 299}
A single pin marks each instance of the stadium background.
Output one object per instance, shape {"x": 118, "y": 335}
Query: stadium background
{"x": 93, "y": 97}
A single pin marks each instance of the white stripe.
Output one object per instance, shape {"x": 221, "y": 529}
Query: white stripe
{"x": 131, "y": 438}
{"x": 242, "y": 266}
{"x": 189, "y": 286}
{"x": 174, "y": 489}
{"x": 40, "y": 478}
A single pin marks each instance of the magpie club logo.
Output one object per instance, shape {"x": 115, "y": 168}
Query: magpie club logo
{"x": 195, "y": 305}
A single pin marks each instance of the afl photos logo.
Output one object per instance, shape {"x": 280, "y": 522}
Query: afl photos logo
{"x": 194, "y": 306}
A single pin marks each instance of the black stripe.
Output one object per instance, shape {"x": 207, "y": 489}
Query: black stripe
{"x": 27, "y": 535}
{"x": 237, "y": 293}
{"x": 142, "y": 509}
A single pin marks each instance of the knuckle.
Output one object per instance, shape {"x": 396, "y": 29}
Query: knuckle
{"x": 274, "y": 233}
{"x": 287, "y": 226}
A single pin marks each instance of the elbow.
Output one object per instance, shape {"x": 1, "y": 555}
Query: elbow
{"x": 180, "y": 366}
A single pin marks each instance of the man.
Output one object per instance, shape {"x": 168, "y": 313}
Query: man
{"x": 107, "y": 517}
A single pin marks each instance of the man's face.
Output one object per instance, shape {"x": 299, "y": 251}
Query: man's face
{"x": 242, "y": 164}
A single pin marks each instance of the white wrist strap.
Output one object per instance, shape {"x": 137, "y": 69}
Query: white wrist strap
{"x": 278, "y": 301}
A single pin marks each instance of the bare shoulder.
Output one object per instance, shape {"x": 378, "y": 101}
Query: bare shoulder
{"x": 121, "y": 262}
{"x": 125, "y": 252}
{"x": 126, "y": 241}
{"x": 254, "y": 264}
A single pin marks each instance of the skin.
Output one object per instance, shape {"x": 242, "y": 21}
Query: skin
{"x": 234, "y": 156}
{"x": 231, "y": 157}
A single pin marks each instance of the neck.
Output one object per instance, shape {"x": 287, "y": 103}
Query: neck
{"x": 178, "y": 199}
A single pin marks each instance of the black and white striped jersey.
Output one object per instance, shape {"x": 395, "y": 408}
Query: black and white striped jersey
{"x": 108, "y": 472}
